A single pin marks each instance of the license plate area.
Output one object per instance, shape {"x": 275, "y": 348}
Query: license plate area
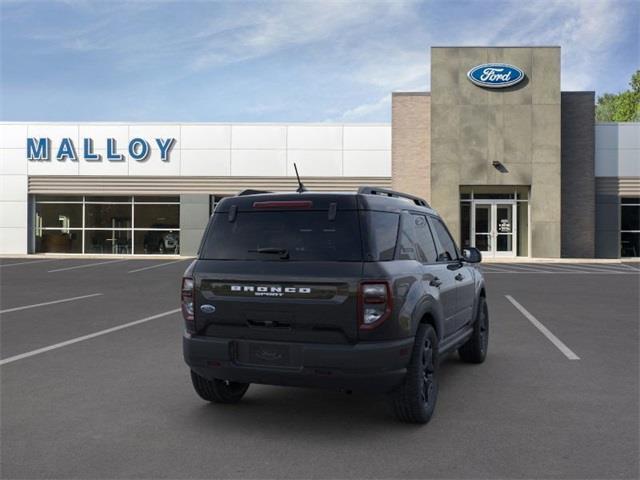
{"x": 268, "y": 354}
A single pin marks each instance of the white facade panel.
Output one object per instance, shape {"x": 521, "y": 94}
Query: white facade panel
{"x": 606, "y": 135}
{"x": 606, "y": 162}
{"x": 205, "y": 162}
{"x": 315, "y": 163}
{"x": 52, "y": 167}
{"x": 259, "y": 163}
{"x": 13, "y": 214}
{"x": 314, "y": 137}
{"x": 13, "y": 161}
{"x": 99, "y": 135}
{"x": 104, "y": 166}
{"x": 13, "y": 135}
{"x": 13, "y": 241}
{"x": 205, "y": 136}
{"x": 372, "y": 163}
{"x": 13, "y": 188}
{"x": 367, "y": 137}
{"x": 629, "y": 136}
{"x": 258, "y": 136}
{"x": 153, "y": 165}
{"x": 629, "y": 162}
{"x": 617, "y": 149}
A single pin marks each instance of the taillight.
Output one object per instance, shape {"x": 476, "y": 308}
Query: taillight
{"x": 374, "y": 304}
{"x": 186, "y": 300}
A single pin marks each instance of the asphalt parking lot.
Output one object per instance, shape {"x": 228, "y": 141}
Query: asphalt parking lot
{"x": 94, "y": 386}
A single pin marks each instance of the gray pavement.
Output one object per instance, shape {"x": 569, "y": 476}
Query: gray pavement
{"x": 120, "y": 405}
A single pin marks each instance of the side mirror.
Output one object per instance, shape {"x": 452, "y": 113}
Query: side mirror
{"x": 471, "y": 255}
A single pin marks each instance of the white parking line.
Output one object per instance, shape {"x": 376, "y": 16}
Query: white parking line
{"x": 544, "y": 330}
{"x": 27, "y": 263}
{"x": 63, "y": 300}
{"x": 87, "y": 265}
{"x": 15, "y": 358}
{"x": 155, "y": 266}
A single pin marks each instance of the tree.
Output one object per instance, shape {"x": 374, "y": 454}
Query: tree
{"x": 621, "y": 107}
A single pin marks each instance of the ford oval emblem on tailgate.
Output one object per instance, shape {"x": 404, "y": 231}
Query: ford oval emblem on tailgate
{"x": 206, "y": 308}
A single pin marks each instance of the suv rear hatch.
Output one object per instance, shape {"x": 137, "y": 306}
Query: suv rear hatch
{"x": 283, "y": 268}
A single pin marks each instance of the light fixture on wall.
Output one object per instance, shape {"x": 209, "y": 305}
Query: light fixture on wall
{"x": 499, "y": 166}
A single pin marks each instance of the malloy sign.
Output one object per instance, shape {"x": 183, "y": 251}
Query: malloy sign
{"x": 40, "y": 149}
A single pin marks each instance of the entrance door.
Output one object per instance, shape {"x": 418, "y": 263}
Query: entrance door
{"x": 494, "y": 229}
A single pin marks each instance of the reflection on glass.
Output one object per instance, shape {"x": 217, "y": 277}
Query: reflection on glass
{"x": 465, "y": 224}
{"x": 107, "y": 215}
{"x": 157, "y": 242}
{"x": 155, "y": 199}
{"x": 114, "y": 199}
{"x": 107, "y": 241}
{"x": 504, "y": 243}
{"x": 630, "y": 244}
{"x": 483, "y": 213}
{"x": 630, "y": 217}
{"x": 157, "y": 216}
{"x": 483, "y": 242}
{"x": 57, "y": 241}
{"x": 59, "y": 215}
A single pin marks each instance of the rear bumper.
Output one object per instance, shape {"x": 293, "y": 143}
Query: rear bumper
{"x": 366, "y": 366}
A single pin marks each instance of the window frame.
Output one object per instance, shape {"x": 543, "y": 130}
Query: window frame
{"x": 84, "y": 200}
{"x": 622, "y": 204}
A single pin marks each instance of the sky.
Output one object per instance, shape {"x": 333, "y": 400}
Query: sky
{"x": 277, "y": 61}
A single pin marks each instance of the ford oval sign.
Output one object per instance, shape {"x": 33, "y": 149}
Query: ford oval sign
{"x": 495, "y": 75}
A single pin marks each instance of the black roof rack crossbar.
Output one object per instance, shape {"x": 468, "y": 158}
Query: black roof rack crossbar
{"x": 392, "y": 193}
{"x": 250, "y": 191}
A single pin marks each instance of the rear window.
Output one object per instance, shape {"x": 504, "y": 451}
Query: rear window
{"x": 304, "y": 235}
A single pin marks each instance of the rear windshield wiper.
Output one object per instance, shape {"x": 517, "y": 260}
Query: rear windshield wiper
{"x": 283, "y": 252}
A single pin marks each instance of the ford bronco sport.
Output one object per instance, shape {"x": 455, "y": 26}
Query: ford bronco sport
{"x": 352, "y": 291}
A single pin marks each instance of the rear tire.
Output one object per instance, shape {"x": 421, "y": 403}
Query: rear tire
{"x": 475, "y": 349}
{"x": 415, "y": 400}
{"x": 218, "y": 391}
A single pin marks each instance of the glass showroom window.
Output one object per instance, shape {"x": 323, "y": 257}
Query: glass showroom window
{"x": 107, "y": 224}
{"x": 630, "y": 227}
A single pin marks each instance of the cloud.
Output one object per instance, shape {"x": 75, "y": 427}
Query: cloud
{"x": 368, "y": 110}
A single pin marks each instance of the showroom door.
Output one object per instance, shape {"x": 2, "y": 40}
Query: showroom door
{"x": 494, "y": 229}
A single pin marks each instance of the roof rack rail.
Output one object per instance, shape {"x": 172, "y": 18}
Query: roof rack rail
{"x": 392, "y": 193}
{"x": 250, "y": 191}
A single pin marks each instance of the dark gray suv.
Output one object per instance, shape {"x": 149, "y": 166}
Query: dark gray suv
{"x": 352, "y": 291}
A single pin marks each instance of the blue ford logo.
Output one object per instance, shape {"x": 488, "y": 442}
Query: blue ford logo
{"x": 495, "y": 75}
{"x": 206, "y": 308}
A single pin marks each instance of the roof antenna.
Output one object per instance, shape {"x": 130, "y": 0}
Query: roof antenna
{"x": 301, "y": 187}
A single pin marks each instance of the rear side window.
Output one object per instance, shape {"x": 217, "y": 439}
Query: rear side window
{"x": 416, "y": 241}
{"x": 449, "y": 251}
{"x": 303, "y": 235}
{"x": 382, "y": 228}
{"x": 425, "y": 244}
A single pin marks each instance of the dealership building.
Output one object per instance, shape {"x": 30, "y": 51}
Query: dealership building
{"x": 516, "y": 167}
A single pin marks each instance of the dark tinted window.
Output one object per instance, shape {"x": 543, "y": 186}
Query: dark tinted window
{"x": 407, "y": 239}
{"x": 308, "y": 235}
{"x": 383, "y": 232}
{"x": 630, "y": 217}
{"x": 425, "y": 244}
{"x": 415, "y": 241}
{"x": 449, "y": 251}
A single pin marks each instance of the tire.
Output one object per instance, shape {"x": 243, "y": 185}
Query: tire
{"x": 161, "y": 247}
{"x": 415, "y": 400}
{"x": 218, "y": 391}
{"x": 475, "y": 349}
